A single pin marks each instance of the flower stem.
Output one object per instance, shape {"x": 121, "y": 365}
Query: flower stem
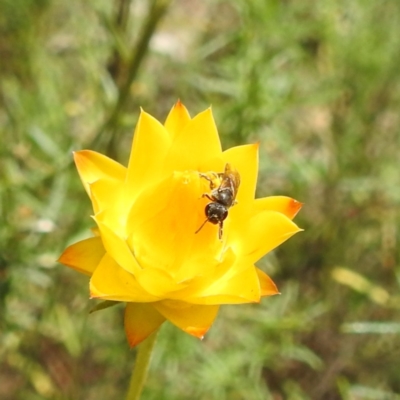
{"x": 141, "y": 367}
{"x": 157, "y": 10}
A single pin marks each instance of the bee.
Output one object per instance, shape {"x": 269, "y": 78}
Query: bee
{"x": 222, "y": 197}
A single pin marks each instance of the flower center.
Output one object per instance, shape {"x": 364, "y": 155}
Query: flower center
{"x": 163, "y": 227}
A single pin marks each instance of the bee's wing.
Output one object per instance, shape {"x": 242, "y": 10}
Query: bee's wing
{"x": 231, "y": 178}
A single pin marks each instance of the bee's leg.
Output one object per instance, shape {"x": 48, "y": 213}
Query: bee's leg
{"x": 220, "y": 230}
{"x": 212, "y": 185}
{"x": 206, "y": 177}
{"x": 208, "y": 196}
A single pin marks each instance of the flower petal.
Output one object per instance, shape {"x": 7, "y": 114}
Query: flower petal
{"x": 158, "y": 282}
{"x": 211, "y": 270}
{"x": 243, "y": 287}
{"x": 106, "y": 195}
{"x": 245, "y": 160}
{"x": 111, "y": 282}
{"x": 197, "y": 144}
{"x": 150, "y": 145}
{"x": 285, "y": 205}
{"x": 93, "y": 166}
{"x": 117, "y": 248}
{"x": 141, "y": 320}
{"x": 83, "y": 256}
{"x": 268, "y": 287}
{"x": 191, "y": 318}
{"x": 177, "y": 119}
{"x": 261, "y": 234}
{"x": 110, "y": 204}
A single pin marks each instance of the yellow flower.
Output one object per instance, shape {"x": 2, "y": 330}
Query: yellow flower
{"x": 149, "y": 251}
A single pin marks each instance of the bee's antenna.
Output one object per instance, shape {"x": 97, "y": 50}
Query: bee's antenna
{"x": 198, "y": 230}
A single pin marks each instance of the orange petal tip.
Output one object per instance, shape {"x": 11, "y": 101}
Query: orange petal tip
{"x": 134, "y": 340}
{"x": 93, "y": 293}
{"x": 66, "y": 258}
{"x": 196, "y": 331}
{"x": 294, "y": 207}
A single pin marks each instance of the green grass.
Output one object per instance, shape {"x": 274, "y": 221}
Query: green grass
{"x": 316, "y": 83}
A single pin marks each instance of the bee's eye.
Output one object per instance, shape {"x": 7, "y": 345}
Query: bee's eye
{"x": 216, "y": 212}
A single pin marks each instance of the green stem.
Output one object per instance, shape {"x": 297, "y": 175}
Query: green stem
{"x": 157, "y": 10}
{"x": 139, "y": 373}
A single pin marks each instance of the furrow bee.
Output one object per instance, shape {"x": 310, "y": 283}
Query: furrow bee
{"x": 222, "y": 196}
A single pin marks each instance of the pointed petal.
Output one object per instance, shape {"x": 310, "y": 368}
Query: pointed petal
{"x": 197, "y": 143}
{"x": 268, "y": 287}
{"x": 151, "y": 143}
{"x": 261, "y": 234}
{"x": 110, "y": 205}
{"x": 243, "y": 287}
{"x": 83, "y": 256}
{"x": 191, "y": 318}
{"x": 105, "y": 195}
{"x": 141, "y": 320}
{"x": 177, "y": 119}
{"x": 158, "y": 282}
{"x": 117, "y": 248}
{"x": 215, "y": 270}
{"x": 245, "y": 160}
{"x": 285, "y": 205}
{"x": 93, "y": 166}
{"x": 111, "y": 282}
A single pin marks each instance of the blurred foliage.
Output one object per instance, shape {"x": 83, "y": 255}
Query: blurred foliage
{"x": 316, "y": 83}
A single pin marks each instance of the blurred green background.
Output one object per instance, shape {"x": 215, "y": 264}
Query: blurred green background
{"x": 317, "y": 83}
